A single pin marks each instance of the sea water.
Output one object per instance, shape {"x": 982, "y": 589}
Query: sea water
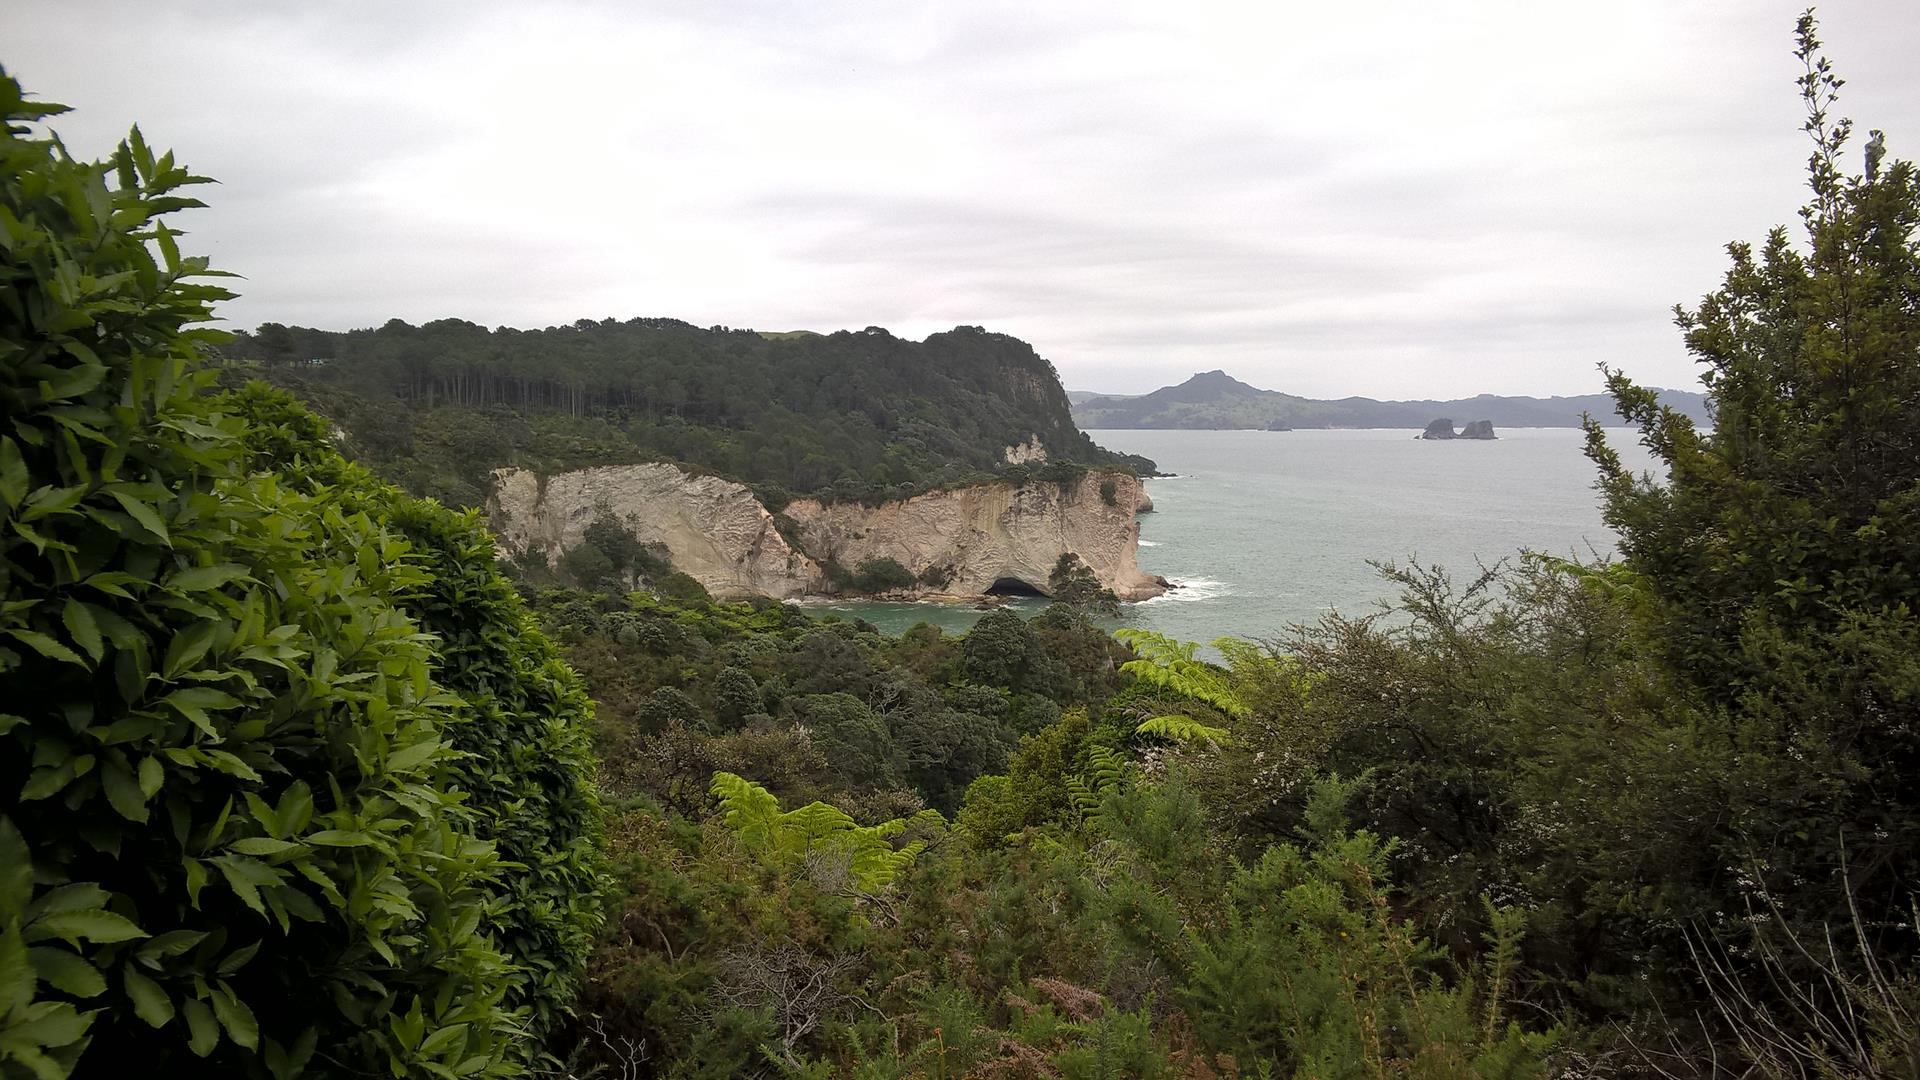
{"x": 1263, "y": 529}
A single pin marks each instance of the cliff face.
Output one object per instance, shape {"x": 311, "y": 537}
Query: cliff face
{"x": 717, "y": 532}
{"x": 714, "y": 529}
{"x": 993, "y": 533}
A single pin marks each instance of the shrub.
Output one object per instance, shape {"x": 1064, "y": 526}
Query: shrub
{"x": 881, "y": 575}
{"x": 228, "y": 819}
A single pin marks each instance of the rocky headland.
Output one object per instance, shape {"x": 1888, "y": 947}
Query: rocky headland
{"x": 962, "y": 543}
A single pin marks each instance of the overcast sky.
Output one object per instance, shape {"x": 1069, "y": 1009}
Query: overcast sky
{"x": 1396, "y": 199}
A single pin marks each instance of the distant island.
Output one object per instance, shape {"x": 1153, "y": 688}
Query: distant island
{"x": 1216, "y": 400}
{"x": 1443, "y": 429}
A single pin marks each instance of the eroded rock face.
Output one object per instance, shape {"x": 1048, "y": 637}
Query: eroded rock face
{"x": 717, "y": 531}
{"x": 1030, "y": 452}
{"x": 990, "y": 532}
{"x": 713, "y": 529}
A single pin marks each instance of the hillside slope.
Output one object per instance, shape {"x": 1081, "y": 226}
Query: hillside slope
{"x": 862, "y": 416}
{"x": 1214, "y": 399}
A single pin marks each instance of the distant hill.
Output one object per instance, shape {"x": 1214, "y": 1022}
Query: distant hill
{"x": 853, "y": 415}
{"x": 1078, "y": 396}
{"x": 1216, "y": 400}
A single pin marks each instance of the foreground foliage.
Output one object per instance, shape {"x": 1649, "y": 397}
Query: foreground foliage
{"x": 240, "y": 818}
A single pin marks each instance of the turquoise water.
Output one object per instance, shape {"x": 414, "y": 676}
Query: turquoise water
{"x": 1263, "y": 529}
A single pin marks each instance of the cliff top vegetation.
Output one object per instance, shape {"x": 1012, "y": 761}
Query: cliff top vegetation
{"x": 852, "y": 415}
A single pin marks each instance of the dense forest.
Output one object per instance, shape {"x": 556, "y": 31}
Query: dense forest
{"x": 859, "y": 416}
{"x": 295, "y": 781}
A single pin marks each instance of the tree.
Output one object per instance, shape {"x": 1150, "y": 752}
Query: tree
{"x": 735, "y": 697}
{"x": 1781, "y": 553}
{"x": 881, "y": 575}
{"x": 1000, "y": 650}
{"x": 1072, "y": 583}
{"x": 857, "y": 742}
{"x": 229, "y": 828}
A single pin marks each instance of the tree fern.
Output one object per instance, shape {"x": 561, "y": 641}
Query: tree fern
{"x": 788, "y": 838}
{"x": 1106, "y": 771}
{"x": 1171, "y": 666}
{"x": 1182, "y": 729}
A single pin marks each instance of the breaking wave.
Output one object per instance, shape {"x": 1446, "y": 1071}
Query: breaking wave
{"x": 1191, "y": 589}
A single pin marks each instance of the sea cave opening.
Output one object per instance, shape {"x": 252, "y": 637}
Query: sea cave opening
{"x": 1010, "y": 586}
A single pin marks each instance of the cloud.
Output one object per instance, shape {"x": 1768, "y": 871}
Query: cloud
{"x": 1392, "y": 199}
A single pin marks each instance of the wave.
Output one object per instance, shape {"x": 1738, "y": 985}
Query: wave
{"x": 1192, "y": 589}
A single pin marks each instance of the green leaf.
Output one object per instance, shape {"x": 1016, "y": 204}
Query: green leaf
{"x": 237, "y": 959}
{"x": 204, "y": 1033}
{"x": 47, "y": 1023}
{"x": 100, "y": 927}
{"x": 144, "y": 514}
{"x": 123, "y": 791}
{"x": 188, "y": 646}
{"x": 73, "y": 382}
{"x": 150, "y": 1002}
{"x": 246, "y": 877}
{"x": 262, "y": 845}
{"x": 171, "y": 943}
{"x": 13, "y": 473}
{"x": 153, "y": 775}
{"x": 16, "y": 970}
{"x": 196, "y": 880}
{"x": 66, "y": 971}
{"x": 234, "y": 1015}
{"x": 340, "y": 838}
{"x": 436, "y": 1044}
{"x": 16, "y": 870}
{"x": 46, "y": 646}
{"x": 202, "y": 578}
{"x": 85, "y": 631}
{"x": 413, "y": 756}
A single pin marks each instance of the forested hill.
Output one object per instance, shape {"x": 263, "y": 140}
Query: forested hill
{"x": 851, "y": 415}
{"x": 1214, "y": 399}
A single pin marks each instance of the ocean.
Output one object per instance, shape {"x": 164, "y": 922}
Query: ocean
{"x": 1263, "y": 529}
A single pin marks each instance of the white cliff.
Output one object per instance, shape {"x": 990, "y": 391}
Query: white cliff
{"x": 714, "y": 530}
{"x": 992, "y": 533}
{"x": 962, "y": 542}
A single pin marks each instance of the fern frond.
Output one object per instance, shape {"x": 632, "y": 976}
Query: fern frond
{"x": 817, "y": 828}
{"x": 1182, "y": 729}
{"x": 748, "y": 809}
{"x": 1170, "y": 665}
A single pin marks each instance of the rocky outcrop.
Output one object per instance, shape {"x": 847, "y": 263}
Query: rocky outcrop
{"x": 1030, "y": 452}
{"x": 1443, "y": 429}
{"x": 960, "y": 543}
{"x": 713, "y": 529}
{"x": 1001, "y": 533}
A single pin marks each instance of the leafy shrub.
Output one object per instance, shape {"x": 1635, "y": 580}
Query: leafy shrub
{"x": 228, "y": 819}
{"x": 681, "y": 586}
{"x": 526, "y": 766}
{"x": 881, "y": 575}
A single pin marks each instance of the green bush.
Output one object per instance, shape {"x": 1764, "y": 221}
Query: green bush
{"x": 228, "y": 823}
{"x": 881, "y": 575}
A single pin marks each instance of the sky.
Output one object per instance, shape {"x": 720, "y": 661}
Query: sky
{"x": 1387, "y": 198}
